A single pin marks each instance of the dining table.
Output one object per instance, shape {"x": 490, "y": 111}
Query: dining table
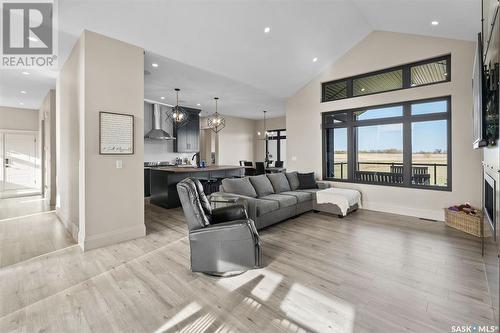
{"x": 274, "y": 170}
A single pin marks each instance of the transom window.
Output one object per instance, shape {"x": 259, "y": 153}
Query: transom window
{"x": 431, "y": 71}
{"x": 403, "y": 144}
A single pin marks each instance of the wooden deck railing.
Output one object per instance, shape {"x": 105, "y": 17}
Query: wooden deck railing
{"x": 420, "y": 172}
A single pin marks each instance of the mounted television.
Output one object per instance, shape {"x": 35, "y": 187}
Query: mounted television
{"x": 478, "y": 83}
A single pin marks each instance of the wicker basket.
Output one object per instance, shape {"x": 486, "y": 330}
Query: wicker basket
{"x": 470, "y": 224}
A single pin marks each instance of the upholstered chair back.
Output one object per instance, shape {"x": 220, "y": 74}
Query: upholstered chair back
{"x": 195, "y": 203}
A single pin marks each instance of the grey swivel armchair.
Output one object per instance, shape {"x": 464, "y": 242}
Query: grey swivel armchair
{"x": 222, "y": 240}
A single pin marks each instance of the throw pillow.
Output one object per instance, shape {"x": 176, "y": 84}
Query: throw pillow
{"x": 262, "y": 185}
{"x": 241, "y": 186}
{"x": 307, "y": 181}
{"x": 279, "y": 181}
{"x": 293, "y": 180}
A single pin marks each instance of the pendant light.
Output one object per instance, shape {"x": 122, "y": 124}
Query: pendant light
{"x": 178, "y": 116}
{"x": 266, "y": 134}
{"x": 216, "y": 122}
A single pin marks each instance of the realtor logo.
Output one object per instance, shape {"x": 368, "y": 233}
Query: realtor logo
{"x": 28, "y": 34}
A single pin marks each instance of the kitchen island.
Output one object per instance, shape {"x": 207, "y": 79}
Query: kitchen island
{"x": 164, "y": 180}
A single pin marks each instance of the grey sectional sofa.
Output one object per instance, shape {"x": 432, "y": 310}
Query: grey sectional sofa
{"x": 271, "y": 198}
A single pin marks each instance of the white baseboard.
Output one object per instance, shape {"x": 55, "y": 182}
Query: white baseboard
{"x": 71, "y": 227}
{"x": 432, "y": 214}
{"x": 112, "y": 237}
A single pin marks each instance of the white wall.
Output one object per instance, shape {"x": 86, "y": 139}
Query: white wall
{"x": 105, "y": 203}
{"x": 113, "y": 199}
{"x": 381, "y": 50}
{"x": 69, "y": 105}
{"x": 47, "y": 113}
{"x": 18, "y": 119}
{"x": 234, "y": 143}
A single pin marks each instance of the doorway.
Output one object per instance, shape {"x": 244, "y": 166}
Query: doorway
{"x": 19, "y": 164}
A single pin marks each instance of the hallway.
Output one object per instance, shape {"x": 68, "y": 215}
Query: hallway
{"x": 29, "y": 228}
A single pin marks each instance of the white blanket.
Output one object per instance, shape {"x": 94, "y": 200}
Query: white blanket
{"x": 343, "y": 198}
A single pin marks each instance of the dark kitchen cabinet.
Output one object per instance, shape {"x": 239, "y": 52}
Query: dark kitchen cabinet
{"x": 147, "y": 182}
{"x": 188, "y": 136}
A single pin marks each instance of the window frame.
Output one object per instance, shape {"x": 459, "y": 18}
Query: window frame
{"x": 278, "y": 138}
{"x": 406, "y": 120}
{"x": 406, "y": 84}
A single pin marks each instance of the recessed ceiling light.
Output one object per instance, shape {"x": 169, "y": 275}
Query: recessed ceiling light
{"x": 198, "y": 104}
{"x": 33, "y": 39}
{"x": 26, "y": 73}
{"x": 21, "y": 103}
{"x": 162, "y": 97}
{"x": 23, "y": 91}
{"x": 267, "y": 30}
{"x": 435, "y": 23}
{"x": 315, "y": 59}
{"x": 154, "y": 64}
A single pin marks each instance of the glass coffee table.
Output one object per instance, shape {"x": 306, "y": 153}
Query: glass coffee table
{"x": 218, "y": 200}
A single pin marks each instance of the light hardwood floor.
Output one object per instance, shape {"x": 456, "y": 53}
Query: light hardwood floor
{"x": 29, "y": 228}
{"x": 368, "y": 272}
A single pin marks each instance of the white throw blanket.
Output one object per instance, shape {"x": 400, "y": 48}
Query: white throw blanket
{"x": 342, "y": 197}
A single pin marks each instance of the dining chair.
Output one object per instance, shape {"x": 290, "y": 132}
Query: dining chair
{"x": 249, "y": 170}
{"x": 259, "y": 168}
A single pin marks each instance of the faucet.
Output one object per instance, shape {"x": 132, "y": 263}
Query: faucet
{"x": 197, "y": 156}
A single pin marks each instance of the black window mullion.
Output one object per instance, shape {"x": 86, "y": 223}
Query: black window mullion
{"x": 349, "y": 88}
{"x": 407, "y": 145}
{"x": 406, "y": 77}
{"x": 351, "y": 152}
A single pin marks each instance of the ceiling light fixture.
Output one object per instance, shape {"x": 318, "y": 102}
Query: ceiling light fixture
{"x": 21, "y": 103}
{"x": 178, "y": 115}
{"x": 23, "y": 91}
{"x": 162, "y": 97}
{"x": 216, "y": 122}
{"x": 435, "y": 23}
{"x": 315, "y": 59}
{"x": 267, "y": 30}
{"x": 154, "y": 64}
{"x": 198, "y": 104}
{"x": 265, "y": 130}
{"x": 26, "y": 73}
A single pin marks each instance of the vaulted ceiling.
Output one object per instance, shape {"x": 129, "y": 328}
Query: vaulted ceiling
{"x": 223, "y": 46}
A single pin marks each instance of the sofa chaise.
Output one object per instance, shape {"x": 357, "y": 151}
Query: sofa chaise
{"x": 272, "y": 198}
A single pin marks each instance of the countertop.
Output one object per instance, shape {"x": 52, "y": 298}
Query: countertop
{"x": 193, "y": 169}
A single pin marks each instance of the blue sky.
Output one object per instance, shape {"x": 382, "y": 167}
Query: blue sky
{"x": 426, "y": 136}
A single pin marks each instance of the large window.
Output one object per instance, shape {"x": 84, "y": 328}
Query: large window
{"x": 431, "y": 71}
{"x": 402, "y": 144}
{"x": 276, "y": 145}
